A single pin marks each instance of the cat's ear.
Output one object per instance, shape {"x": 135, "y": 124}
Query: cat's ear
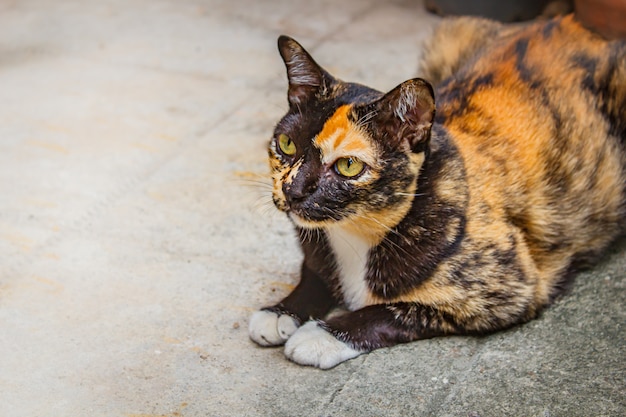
{"x": 406, "y": 113}
{"x": 306, "y": 78}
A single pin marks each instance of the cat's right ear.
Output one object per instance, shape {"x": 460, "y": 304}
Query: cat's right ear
{"x": 406, "y": 114}
{"x": 306, "y": 78}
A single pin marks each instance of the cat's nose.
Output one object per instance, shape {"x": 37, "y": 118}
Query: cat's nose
{"x": 294, "y": 194}
{"x": 299, "y": 190}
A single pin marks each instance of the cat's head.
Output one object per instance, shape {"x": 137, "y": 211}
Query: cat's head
{"x": 345, "y": 153}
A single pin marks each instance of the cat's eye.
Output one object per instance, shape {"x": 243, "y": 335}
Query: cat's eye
{"x": 349, "y": 167}
{"x": 286, "y": 145}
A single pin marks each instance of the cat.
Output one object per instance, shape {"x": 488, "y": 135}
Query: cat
{"x": 464, "y": 217}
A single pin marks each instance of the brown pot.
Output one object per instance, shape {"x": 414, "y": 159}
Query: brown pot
{"x": 606, "y": 17}
{"x": 505, "y": 11}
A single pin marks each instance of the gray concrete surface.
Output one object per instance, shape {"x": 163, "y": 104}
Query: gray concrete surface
{"x": 136, "y": 242}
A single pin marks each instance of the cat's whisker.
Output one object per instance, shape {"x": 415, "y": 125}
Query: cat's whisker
{"x": 411, "y": 194}
{"x": 263, "y": 206}
{"x": 262, "y": 181}
{"x": 386, "y": 241}
{"x": 257, "y": 179}
{"x": 384, "y": 226}
{"x": 311, "y": 234}
{"x": 266, "y": 200}
{"x": 257, "y": 186}
{"x": 261, "y": 191}
{"x": 363, "y": 120}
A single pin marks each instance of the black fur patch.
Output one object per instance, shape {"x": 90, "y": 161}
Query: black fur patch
{"x": 520, "y": 48}
{"x": 588, "y": 65}
{"x": 408, "y": 256}
{"x": 454, "y": 97}
{"x": 548, "y": 29}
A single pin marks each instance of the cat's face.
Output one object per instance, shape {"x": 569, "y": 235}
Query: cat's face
{"x": 344, "y": 153}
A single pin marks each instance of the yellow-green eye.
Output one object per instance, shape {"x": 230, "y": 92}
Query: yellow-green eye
{"x": 286, "y": 145}
{"x": 349, "y": 167}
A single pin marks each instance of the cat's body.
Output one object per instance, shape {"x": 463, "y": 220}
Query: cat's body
{"x": 469, "y": 221}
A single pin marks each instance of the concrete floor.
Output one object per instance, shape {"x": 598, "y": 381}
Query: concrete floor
{"x": 135, "y": 243}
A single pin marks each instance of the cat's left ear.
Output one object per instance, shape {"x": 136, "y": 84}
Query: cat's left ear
{"x": 306, "y": 78}
{"x": 406, "y": 114}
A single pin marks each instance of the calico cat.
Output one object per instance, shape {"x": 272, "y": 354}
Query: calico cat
{"x": 464, "y": 220}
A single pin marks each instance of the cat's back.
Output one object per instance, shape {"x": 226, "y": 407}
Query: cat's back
{"x": 539, "y": 117}
{"x": 537, "y": 65}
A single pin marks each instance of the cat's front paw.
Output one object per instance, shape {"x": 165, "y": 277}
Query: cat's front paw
{"x": 268, "y": 328}
{"x": 314, "y": 346}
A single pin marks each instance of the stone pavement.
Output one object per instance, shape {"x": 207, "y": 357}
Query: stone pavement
{"x": 136, "y": 238}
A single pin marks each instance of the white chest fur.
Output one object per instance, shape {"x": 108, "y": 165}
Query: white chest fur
{"x": 351, "y": 254}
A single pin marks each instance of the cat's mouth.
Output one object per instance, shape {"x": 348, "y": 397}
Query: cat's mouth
{"x": 308, "y": 214}
{"x": 318, "y": 218}
{"x": 306, "y": 223}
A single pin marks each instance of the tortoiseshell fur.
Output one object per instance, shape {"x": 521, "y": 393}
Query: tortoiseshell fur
{"x": 468, "y": 219}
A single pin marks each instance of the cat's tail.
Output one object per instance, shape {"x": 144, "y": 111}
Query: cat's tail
{"x": 454, "y": 42}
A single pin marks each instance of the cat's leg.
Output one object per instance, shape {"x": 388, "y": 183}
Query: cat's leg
{"x": 311, "y": 299}
{"x": 325, "y": 344}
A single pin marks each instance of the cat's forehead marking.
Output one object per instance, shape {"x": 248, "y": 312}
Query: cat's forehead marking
{"x": 340, "y": 137}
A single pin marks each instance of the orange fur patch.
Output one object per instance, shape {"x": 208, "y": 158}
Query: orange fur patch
{"x": 341, "y": 138}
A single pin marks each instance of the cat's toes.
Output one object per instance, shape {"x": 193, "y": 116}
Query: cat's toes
{"x": 271, "y": 329}
{"x": 286, "y": 326}
{"x": 314, "y": 346}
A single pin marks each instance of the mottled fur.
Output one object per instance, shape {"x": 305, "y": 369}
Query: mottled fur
{"x": 469, "y": 221}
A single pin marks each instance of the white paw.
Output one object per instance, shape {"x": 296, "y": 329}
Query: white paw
{"x": 312, "y": 345}
{"x": 271, "y": 329}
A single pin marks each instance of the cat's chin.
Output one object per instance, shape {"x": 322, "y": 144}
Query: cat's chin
{"x": 306, "y": 224}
